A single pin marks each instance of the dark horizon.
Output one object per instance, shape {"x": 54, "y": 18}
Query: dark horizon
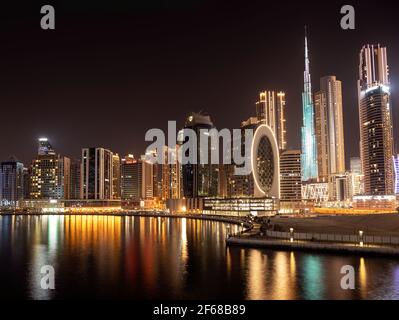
{"x": 109, "y": 72}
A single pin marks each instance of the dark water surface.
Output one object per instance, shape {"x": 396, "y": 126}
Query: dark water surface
{"x": 148, "y": 258}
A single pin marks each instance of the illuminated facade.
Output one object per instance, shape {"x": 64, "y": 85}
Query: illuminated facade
{"x": 309, "y": 154}
{"x": 396, "y": 173}
{"x": 265, "y": 162}
{"x": 315, "y": 191}
{"x": 375, "y": 119}
{"x": 240, "y": 206}
{"x": 270, "y": 110}
{"x": 96, "y": 174}
{"x": 329, "y": 128}
{"x": 49, "y": 174}
{"x": 116, "y": 176}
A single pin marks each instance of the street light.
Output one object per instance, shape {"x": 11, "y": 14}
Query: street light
{"x": 291, "y": 234}
{"x": 361, "y": 237}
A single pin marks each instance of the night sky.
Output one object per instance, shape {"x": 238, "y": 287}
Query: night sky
{"x": 110, "y": 72}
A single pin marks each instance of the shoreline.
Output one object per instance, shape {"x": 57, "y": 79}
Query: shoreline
{"x": 319, "y": 247}
{"x": 226, "y": 219}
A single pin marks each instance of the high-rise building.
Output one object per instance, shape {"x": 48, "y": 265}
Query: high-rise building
{"x": 136, "y": 179}
{"x": 128, "y": 179}
{"x": 50, "y": 174}
{"x": 375, "y": 119}
{"x": 329, "y": 128}
{"x": 309, "y": 148}
{"x": 241, "y": 185}
{"x": 290, "y": 176}
{"x": 270, "y": 109}
{"x": 96, "y": 174}
{"x": 75, "y": 179}
{"x": 27, "y": 182}
{"x": 199, "y": 180}
{"x": 171, "y": 172}
{"x": 11, "y": 182}
{"x": 116, "y": 176}
{"x": 63, "y": 188}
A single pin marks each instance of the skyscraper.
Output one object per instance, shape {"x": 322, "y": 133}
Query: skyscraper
{"x": 96, "y": 174}
{"x": 75, "y": 179}
{"x": 270, "y": 109}
{"x": 136, "y": 179}
{"x": 11, "y": 182}
{"x": 309, "y": 155}
{"x": 199, "y": 180}
{"x": 290, "y": 176}
{"x": 116, "y": 176}
{"x": 375, "y": 120}
{"x": 50, "y": 174}
{"x": 329, "y": 132}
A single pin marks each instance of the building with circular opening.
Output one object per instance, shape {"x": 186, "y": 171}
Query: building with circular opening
{"x": 265, "y": 163}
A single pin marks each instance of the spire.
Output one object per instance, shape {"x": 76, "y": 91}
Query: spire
{"x": 306, "y": 51}
{"x": 307, "y": 81}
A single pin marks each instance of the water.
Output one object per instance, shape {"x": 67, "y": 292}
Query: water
{"x": 148, "y": 258}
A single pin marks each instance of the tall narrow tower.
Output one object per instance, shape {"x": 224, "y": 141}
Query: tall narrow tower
{"x": 308, "y": 156}
{"x": 375, "y": 115}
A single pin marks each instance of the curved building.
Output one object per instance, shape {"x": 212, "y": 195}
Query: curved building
{"x": 265, "y": 163}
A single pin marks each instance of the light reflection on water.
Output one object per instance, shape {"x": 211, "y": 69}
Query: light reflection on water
{"x": 144, "y": 258}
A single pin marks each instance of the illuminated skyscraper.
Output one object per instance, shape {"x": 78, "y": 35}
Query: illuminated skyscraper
{"x": 309, "y": 155}
{"x": 270, "y": 109}
{"x": 375, "y": 120}
{"x": 329, "y": 128}
{"x": 116, "y": 176}
{"x": 50, "y": 174}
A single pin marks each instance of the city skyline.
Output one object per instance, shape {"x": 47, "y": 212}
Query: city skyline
{"x": 213, "y": 77}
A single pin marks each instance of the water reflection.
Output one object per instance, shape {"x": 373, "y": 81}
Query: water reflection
{"x": 137, "y": 257}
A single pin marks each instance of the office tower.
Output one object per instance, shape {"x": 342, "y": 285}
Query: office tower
{"x": 11, "y": 182}
{"x": 96, "y": 174}
{"x": 145, "y": 174}
{"x": 199, "y": 180}
{"x": 75, "y": 179}
{"x": 329, "y": 128}
{"x": 136, "y": 179}
{"x": 128, "y": 181}
{"x": 309, "y": 154}
{"x": 63, "y": 187}
{"x": 375, "y": 119}
{"x": 270, "y": 109}
{"x": 241, "y": 185}
{"x": 48, "y": 170}
{"x": 116, "y": 176}
{"x": 171, "y": 175}
{"x": 290, "y": 176}
{"x": 27, "y": 182}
